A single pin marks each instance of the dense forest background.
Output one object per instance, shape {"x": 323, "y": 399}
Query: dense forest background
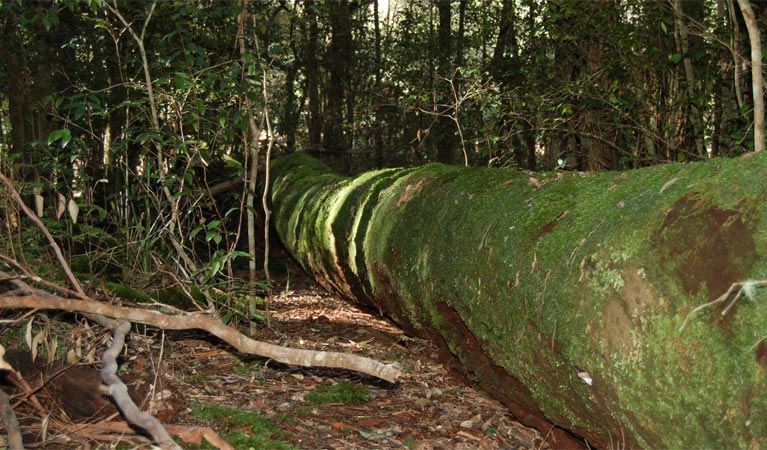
{"x": 143, "y": 118}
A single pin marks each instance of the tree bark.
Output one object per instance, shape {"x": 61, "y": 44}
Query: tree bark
{"x": 683, "y": 46}
{"x": 339, "y": 61}
{"x": 754, "y": 35}
{"x": 378, "y": 150}
{"x": 564, "y": 295}
{"x": 312, "y": 74}
{"x": 444, "y": 127}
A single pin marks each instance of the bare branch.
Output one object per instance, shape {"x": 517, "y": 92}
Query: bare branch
{"x": 307, "y": 358}
{"x": 119, "y": 392}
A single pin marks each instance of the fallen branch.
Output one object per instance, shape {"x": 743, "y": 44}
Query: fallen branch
{"x": 116, "y": 389}
{"x": 39, "y": 299}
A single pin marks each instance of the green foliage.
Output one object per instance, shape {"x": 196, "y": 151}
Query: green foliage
{"x": 344, "y": 392}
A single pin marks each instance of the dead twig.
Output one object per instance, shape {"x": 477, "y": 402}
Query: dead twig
{"x": 734, "y": 293}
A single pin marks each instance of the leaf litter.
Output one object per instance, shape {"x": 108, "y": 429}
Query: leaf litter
{"x": 433, "y": 406}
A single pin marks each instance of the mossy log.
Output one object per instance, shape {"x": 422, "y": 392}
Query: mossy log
{"x": 564, "y": 293}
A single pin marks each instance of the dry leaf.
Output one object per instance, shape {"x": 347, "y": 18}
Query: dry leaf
{"x": 3, "y": 364}
{"x": 37, "y": 341}
{"x": 668, "y": 183}
{"x": 586, "y": 377}
{"x": 12, "y": 220}
{"x": 73, "y": 209}
{"x": 51, "y": 345}
{"x": 39, "y": 202}
{"x": 61, "y": 206}
{"x": 28, "y": 333}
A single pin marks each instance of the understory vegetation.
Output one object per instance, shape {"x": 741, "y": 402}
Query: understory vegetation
{"x": 149, "y": 125}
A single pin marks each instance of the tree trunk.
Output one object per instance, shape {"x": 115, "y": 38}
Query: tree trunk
{"x": 444, "y": 127}
{"x": 683, "y": 47}
{"x": 754, "y": 35}
{"x": 338, "y": 64}
{"x": 563, "y": 294}
{"x": 312, "y": 74}
{"x": 378, "y": 150}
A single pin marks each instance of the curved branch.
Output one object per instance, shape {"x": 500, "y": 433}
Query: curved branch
{"x": 307, "y": 358}
{"x": 119, "y": 392}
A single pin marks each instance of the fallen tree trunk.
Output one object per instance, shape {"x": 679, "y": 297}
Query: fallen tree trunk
{"x": 564, "y": 293}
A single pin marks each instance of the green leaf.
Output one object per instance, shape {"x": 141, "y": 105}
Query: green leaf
{"x": 101, "y": 211}
{"x": 195, "y": 231}
{"x": 63, "y": 135}
{"x": 238, "y": 253}
{"x": 182, "y": 81}
{"x": 676, "y": 58}
{"x": 215, "y": 266}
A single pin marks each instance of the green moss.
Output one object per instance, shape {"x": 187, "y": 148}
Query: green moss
{"x": 410, "y": 443}
{"x": 574, "y": 272}
{"x": 262, "y": 431}
{"x": 344, "y": 392}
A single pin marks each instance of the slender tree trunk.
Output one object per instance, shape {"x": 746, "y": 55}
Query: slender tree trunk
{"x": 312, "y": 74}
{"x": 736, "y": 51}
{"x": 461, "y": 32}
{"x": 252, "y": 158}
{"x": 18, "y": 105}
{"x": 378, "y": 127}
{"x": 683, "y": 45}
{"x": 444, "y": 128}
{"x": 19, "y": 96}
{"x": 338, "y": 64}
{"x": 754, "y": 36}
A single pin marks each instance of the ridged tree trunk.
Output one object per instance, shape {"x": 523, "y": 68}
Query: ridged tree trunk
{"x": 563, "y": 293}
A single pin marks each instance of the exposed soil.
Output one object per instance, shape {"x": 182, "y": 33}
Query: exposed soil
{"x": 431, "y": 407}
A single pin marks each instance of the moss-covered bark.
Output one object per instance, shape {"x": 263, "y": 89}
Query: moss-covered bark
{"x": 531, "y": 280}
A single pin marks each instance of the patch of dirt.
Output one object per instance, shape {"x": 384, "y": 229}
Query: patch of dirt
{"x": 429, "y": 408}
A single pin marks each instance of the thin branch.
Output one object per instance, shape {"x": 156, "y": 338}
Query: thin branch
{"x": 52, "y": 242}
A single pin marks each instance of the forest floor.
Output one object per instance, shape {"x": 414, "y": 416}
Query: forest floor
{"x": 431, "y": 407}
